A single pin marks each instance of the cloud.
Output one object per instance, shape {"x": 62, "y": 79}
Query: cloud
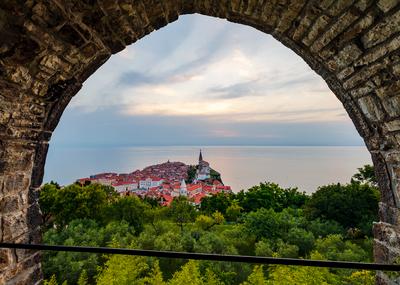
{"x": 236, "y": 90}
{"x": 222, "y": 78}
{"x": 136, "y": 78}
{"x": 110, "y": 128}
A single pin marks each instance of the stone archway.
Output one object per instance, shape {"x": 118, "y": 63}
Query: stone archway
{"x": 49, "y": 48}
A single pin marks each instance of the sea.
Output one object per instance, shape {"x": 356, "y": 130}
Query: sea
{"x": 241, "y": 167}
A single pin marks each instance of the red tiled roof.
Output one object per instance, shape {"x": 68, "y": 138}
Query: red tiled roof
{"x": 193, "y": 187}
{"x": 197, "y": 198}
{"x": 119, "y": 183}
{"x": 207, "y": 188}
{"x": 216, "y": 182}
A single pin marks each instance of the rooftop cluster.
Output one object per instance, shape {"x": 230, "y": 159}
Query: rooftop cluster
{"x": 163, "y": 182}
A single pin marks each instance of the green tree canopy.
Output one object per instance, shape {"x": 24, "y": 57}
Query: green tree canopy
{"x": 352, "y": 205}
{"x": 131, "y": 209}
{"x": 181, "y": 211}
{"x": 219, "y": 202}
{"x": 366, "y": 174}
{"x": 75, "y": 202}
{"x": 270, "y": 195}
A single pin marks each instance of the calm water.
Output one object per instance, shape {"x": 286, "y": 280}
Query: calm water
{"x": 240, "y": 166}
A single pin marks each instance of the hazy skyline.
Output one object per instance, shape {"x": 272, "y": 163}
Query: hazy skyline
{"x": 205, "y": 81}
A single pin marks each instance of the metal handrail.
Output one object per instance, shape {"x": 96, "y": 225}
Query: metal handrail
{"x": 208, "y": 256}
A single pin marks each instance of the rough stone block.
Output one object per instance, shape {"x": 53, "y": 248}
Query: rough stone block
{"x": 390, "y": 90}
{"x": 364, "y": 74}
{"x": 345, "y": 73}
{"x": 289, "y": 15}
{"x": 4, "y": 258}
{"x": 15, "y": 183}
{"x": 387, "y": 214}
{"x": 393, "y": 126}
{"x": 34, "y": 217}
{"x": 338, "y": 6}
{"x": 345, "y": 57}
{"x": 305, "y": 23}
{"x": 10, "y": 204}
{"x": 25, "y": 276}
{"x": 396, "y": 70}
{"x": 316, "y": 29}
{"x": 14, "y": 225}
{"x": 386, "y": 243}
{"x": 21, "y": 76}
{"x": 392, "y": 105}
{"x": 18, "y": 159}
{"x": 356, "y": 29}
{"x": 342, "y": 23}
{"x": 382, "y": 31}
{"x": 387, "y": 234}
{"x": 381, "y": 252}
{"x": 370, "y": 108}
{"x": 379, "y": 51}
{"x": 362, "y": 91}
{"x": 386, "y": 5}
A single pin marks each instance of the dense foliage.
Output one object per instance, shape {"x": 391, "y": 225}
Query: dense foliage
{"x": 333, "y": 223}
{"x": 352, "y": 205}
{"x": 214, "y": 175}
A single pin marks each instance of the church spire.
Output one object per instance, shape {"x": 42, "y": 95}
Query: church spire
{"x": 200, "y": 156}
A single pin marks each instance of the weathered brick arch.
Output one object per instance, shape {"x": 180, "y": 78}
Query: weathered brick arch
{"x": 49, "y": 48}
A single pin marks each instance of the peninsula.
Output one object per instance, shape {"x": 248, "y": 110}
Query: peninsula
{"x": 165, "y": 181}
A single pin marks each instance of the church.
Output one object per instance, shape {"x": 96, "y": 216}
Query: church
{"x": 203, "y": 169}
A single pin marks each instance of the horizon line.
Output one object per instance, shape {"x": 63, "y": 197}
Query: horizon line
{"x": 207, "y": 145}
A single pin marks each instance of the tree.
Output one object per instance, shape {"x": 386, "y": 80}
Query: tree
{"x": 263, "y": 224}
{"x": 204, "y": 222}
{"x": 234, "y": 211}
{"x": 301, "y": 238}
{"x": 284, "y": 249}
{"x": 301, "y": 275}
{"x": 124, "y": 270}
{"x": 334, "y": 247}
{"x": 189, "y": 274}
{"x": 264, "y": 248}
{"x": 321, "y": 228}
{"x": 83, "y": 278}
{"x": 219, "y": 202}
{"x": 211, "y": 242}
{"x": 256, "y": 277}
{"x": 51, "y": 281}
{"x": 362, "y": 277}
{"x": 130, "y": 209}
{"x": 81, "y": 233}
{"x": 272, "y": 225}
{"x": 366, "y": 174}
{"x": 270, "y": 195}
{"x": 191, "y": 173}
{"x": 74, "y": 202}
{"x": 351, "y": 205}
{"x": 219, "y": 219}
{"x": 47, "y": 201}
{"x": 215, "y": 175}
{"x": 182, "y": 211}
{"x": 155, "y": 277}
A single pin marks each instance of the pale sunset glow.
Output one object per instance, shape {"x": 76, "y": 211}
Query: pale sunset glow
{"x": 235, "y": 84}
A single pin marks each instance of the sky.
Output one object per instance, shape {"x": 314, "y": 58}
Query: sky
{"x": 205, "y": 81}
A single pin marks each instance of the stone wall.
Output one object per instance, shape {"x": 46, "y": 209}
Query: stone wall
{"x": 49, "y": 48}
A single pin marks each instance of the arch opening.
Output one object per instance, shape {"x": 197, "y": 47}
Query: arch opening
{"x": 234, "y": 86}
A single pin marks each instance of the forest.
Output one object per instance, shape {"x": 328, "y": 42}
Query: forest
{"x": 334, "y": 223}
